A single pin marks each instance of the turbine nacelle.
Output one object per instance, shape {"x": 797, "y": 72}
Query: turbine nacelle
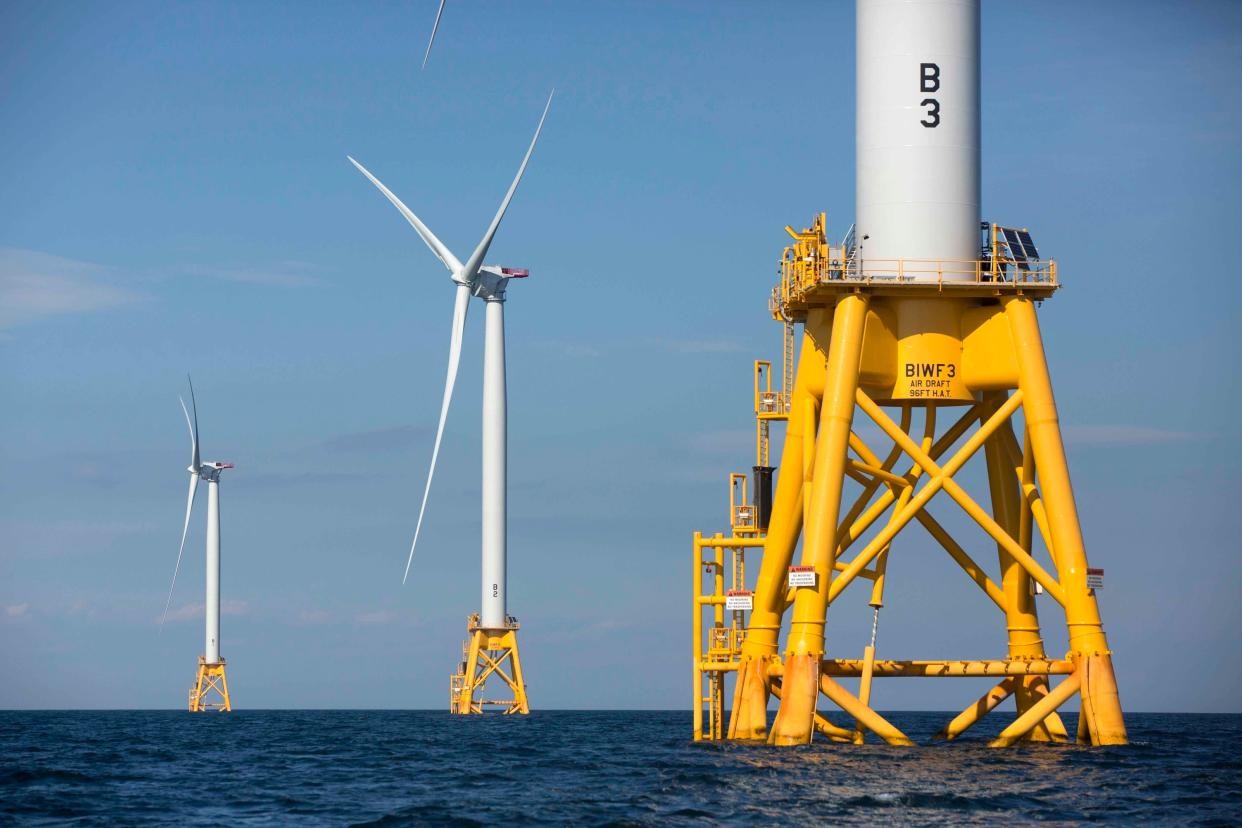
{"x": 490, "y": 284}
{"x": 211, "y": 471}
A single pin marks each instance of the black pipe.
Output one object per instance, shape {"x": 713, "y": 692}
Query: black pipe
{"x": 763, "y": 496}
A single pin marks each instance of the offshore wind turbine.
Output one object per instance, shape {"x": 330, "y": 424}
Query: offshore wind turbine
{"x": 492, "y": 631}
{"x": 211, "y": 687}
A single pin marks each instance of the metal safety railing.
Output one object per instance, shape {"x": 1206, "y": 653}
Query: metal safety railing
{"x": 800, "y": 274}
{"x": 719, "y": 629}
{"x": 769, "y": 401}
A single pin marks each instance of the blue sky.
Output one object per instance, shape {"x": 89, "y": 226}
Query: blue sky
{"x": 174, "y": 196}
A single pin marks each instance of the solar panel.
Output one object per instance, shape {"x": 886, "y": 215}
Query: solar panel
{"x": 1016, "y": 250}
{"x": 1025, "y": 238}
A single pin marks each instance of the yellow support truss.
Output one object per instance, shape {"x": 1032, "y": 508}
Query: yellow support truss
{"x": 966, "y": 359}
{"x": 488, "y": 654}
{"x": 211, "y": 688}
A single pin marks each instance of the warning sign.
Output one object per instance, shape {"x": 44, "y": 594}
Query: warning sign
{"x": 1095, "y": 578}
{"x": 802, "y": 576}
{"x": 739, "y": 599}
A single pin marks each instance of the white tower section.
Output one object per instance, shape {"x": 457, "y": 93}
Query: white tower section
{"x": 212, "y": 649}
{"x": 493, "y": 614}
{"x": 918, "y": 133}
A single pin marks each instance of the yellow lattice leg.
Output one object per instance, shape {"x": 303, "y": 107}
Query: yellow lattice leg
{"x": 794, "y": 722}
{"x": 1101, "y": 706}
{"x": 520, "y": 705}
{"x": 465, "y": 701}
{"x": 1021, "y": 617}
{"x": 749, "y": 720}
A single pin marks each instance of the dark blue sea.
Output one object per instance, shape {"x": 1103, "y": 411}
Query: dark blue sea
{"x": 587, "y": 768}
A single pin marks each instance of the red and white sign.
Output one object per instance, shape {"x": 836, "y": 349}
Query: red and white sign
{"x": 1095, "y": 578}
{"x": 802, "y": 576}
{"x": 739, "y": 599}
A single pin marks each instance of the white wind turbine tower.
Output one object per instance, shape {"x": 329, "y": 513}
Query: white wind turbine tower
{"x": 492, "y": 632}
{"x": 211, "y": 688}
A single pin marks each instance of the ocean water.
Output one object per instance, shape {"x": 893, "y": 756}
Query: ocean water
{"x": 587, "y": 768}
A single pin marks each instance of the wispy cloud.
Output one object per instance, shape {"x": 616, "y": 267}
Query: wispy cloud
{"x": 282, "y": 274}
{"x": 377, "y": 440}
{"x": 584, "y": 629}
{"x": 36, "y": 285}
{"x": 313, "y": 618}
{"x": 81, "y": 608}
{"x": 95, "y": 473}
{"x": 725, "y": 441}
{"x": 189, "y": 612}
{"x": 16, "y": 610}
{"x": 385, "y": 617}
{"x": 1123, "y": 435}
{"x": 701, "y": 346}
{"x": 282, "y": 480}
{"x": 46, "y": 538}
{"x": 573, "y": 349}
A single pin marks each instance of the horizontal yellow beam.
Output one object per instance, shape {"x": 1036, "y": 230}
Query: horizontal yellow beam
{"x": 848, "y": 667}
{"x": 719, "y": 666}
{"x": 951, "y": 669}
{"x": 727, "y": 543}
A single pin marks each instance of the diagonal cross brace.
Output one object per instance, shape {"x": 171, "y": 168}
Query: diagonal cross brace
{"x": 955, "y": 551}
{"x": 938, "y": 480}
{"x": 943, "y": 478}
{"x": 494, "y": 667}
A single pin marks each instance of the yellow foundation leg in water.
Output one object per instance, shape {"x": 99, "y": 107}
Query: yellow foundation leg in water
{"x": 794, "y": 719}
{"x": 750, "y": 699}
{"x": 1020, "y": 614}
{"x": 1101, "y": 705}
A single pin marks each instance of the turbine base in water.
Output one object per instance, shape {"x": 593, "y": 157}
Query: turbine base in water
{"x": 211, "y": 688}
{"x": 949, "y": 374}
{"x": 484, "y": 657}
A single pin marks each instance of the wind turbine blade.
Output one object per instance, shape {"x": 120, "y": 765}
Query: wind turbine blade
{"x": 442, "y": 253}
{"x": 461, "y": 304}
{"x": 476, "y": 258}
{"x": 189, "y": 507}
{"x": 434, "y": 27}
{"x": 193, "y": 426}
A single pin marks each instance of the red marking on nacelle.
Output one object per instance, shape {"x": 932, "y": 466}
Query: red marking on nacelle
{"x": 515, "y": 272}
